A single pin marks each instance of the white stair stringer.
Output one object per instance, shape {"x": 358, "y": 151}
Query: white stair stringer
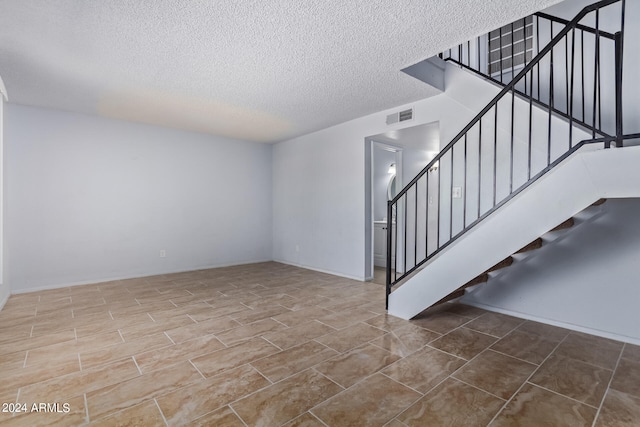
{"x": 569, "y": 188}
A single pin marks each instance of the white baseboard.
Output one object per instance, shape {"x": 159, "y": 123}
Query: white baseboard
{"x": 4, "y": 301}
{"x": 134, "y": 276}
{"x": 320, "y": 270}
{"x": 578, "y": 328}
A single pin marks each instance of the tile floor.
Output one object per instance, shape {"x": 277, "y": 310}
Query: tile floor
{"x": 270, "y": 345}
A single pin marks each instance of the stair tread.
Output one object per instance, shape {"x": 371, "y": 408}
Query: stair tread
{"x": 482, "y": 278}
{"x": 453, "y": 295}
{"x": 566, "y": 224}
{"x": 536, "y": 244}
{"x": 502, "y": 264}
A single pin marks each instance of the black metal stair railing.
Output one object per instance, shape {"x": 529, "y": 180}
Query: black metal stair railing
{"x": 551, "y": 108}
{"x": 499, "y": 55}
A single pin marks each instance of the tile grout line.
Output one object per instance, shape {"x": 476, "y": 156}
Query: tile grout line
{"x": 236, "y": 414}
{"x": 17, "y": 397}
{"x": 526, "y": 381}
{"x": 155, "y": 400}
{"x": 604, "y": 395}
{"x": 263, "y": 375}
{"x": 316, "y": 417}
{"x": 262, "y": 336}
{"x": 477, "y": 388}
{"x": 138, "y": 366}
{"x": 196, "y": 368}
{"x": 513, "y": 357}
{"x": 399, "y": 382}
{"x": 563, "y": 395}
{"x": 86, "y": 407}
{"x": 172, "y": 341}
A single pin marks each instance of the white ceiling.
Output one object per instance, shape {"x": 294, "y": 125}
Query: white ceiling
{"x": 252, "y": 70}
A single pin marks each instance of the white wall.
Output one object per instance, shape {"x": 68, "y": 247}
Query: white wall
{"x": 319, "y": 188}
{"x": 91, "y": 199}
{"x": 5, "y": 291}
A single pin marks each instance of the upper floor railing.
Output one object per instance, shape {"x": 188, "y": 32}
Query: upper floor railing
{"x": 499, "y": 55}
{"x": 550, "y": 105}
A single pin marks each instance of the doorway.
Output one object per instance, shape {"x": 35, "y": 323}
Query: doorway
{"x": 392, "y": 159}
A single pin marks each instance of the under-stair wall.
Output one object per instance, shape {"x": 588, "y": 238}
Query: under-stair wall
{"x": 586, "y": 280}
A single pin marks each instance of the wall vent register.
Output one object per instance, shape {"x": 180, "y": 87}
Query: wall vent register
{"x": 401, "y": 116}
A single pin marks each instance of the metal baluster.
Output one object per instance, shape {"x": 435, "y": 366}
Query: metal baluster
{"x": 595, "y": 76}
{"x": 389, "y": 250}
{"x": 570, "y": 92}
{"x": 538, "y": 51}
{"x": 479, "y": 66}
{"x": 426, "y": 220}
{"x": 415, "y": 230}
{"x": 464, "y": 189}
{"x": 584, "y": 92}
{"x": 451, "y": 198}
{"x": 495, "y": 155}
{"x": 405, "y": 226}
{"x": 513, "y": 49}
{"x": 619, "y": 43}
{"x": 530, "y": 126}
{"x": 550, "y": 102}
{"x": 438, "y": 205}
{"x": 479, "y": 164}
{"x": 524, "y": 33}
{"x": 500, "y": 44}
{"x": 513, "y": 104}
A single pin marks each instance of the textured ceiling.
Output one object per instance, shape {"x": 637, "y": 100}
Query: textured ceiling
{"x": 252, "y": 70}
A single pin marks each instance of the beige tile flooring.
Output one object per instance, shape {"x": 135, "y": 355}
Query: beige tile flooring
{"x": 270, "y": 345}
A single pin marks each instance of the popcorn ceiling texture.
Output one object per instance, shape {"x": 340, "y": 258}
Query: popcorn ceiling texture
{"x": 253, "y": 70}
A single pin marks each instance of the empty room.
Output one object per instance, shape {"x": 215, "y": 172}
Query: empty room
{"x": 417, "y": 213}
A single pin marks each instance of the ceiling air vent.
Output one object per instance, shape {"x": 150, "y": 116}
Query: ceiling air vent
{"x": 402, "y": 116}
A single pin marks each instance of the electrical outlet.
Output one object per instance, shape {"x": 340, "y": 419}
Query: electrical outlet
{"x": 163, "y": 253}
{"x": 456, "y": 192}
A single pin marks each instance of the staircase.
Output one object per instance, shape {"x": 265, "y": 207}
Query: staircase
{"x": 536, "y": 136}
